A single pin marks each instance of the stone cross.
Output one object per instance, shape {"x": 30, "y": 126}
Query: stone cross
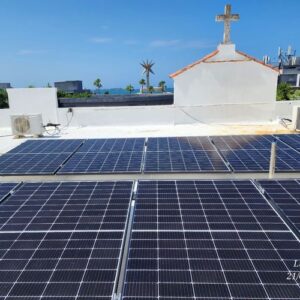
{"x": 227, "y": 18}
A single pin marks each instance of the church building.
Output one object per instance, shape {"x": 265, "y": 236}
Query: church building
{"x": 225, "y": 76}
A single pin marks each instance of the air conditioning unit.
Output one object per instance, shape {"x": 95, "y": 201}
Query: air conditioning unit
{"x": 27, "y": 125}
{"x": 296, "y": 118}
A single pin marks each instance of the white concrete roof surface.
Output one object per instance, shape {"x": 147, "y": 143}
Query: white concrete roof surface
{"x": 7, "y": 141}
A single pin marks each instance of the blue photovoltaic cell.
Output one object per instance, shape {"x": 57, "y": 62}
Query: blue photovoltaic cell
{"x": 103, "y": 162}
{"x": 47, "y": 146}
{"x": 240, "y": 250}
{"x": 113, "y": 145}
{"x": 6, "y": 188}
{"x": 182, "y": 154}
{"x": 292, "y": 140}
{"x": 63, "y": 240}
{"x": 67, "y": 206}
{"x": 30, "y": 164}
{"x": 286, "y": 195}
{"x": 252, "y": 153}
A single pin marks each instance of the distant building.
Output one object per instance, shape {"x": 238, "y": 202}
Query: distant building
{"x": 74, "y": 86}
{"x": 290, "y": 72}
{"x": 5, "y": 85}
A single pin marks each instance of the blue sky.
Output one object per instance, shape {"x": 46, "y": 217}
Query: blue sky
{"x": 51, "y": 40}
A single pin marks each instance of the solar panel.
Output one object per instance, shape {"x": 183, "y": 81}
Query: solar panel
{"x": 184, "y": 161}
{"x": 286, "y": 194}
{"x": 287, "y": 160}
{"x": 6, "y": 188}
{"x": 25, "y": 164}
{"x": 292, "y": 140}
{"x": 106, "y": 156}
{"x": 113, "y": 145}
{"x": 67, "y": 206}
{"x": 59, "y": 265}
{"x": 248, "y": 255}
{"x": 179, "y": 144}
{"x": 63, "y": 240}
{"x": 252, "y": 154}
{"x": 103, "y": 162}
{"x": 47, "y": 146}
{"x": 246, "y": 142}
{"x": 185, "y": 154}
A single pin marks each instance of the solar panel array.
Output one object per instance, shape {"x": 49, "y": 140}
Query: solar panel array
{"x": 246, "y": 153}
{"x": 186, "y": 240}
{"x": 106, "y": 156}
{"x": 182, "y": 154}
{"x": 208, "y": 240}
{"x": 63, "y": 240}
{"x": 286, "y": 195}
{"x": 252, "y": 153}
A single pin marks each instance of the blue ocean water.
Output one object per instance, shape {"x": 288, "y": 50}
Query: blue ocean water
{"x": 120, "y": 91}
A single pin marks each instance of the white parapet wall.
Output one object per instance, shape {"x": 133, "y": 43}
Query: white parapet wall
{"x": 44, "y": 101}
{"x": 30, "y": 101}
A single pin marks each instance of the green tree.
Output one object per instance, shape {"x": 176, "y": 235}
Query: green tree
{"x": 129, "y": 88}
{"x": 284, "y": 91}
{"x": 162, "y": 85}
{"x": 31, "y": 86}
{"x": 147, "y": 66}
{"x": 3, "y": 99}
{"x": 98, "y": 83}
{"x": 151, "y": 89}
{"x": 142, "y": 82}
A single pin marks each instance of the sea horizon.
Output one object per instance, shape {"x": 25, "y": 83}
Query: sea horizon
{"x": 122, "y": 91}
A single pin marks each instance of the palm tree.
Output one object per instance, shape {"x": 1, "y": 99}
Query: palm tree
{"x": 142, "y": 82}
{"x": 151, "y": 89}
{"x": 147, "y": 66}
{"x": 129, "y": 88}
{"x": 162, "y": 85}
{"x": 98, "y": 83}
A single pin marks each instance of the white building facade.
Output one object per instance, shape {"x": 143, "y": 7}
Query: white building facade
{"x": 226, "y": 76}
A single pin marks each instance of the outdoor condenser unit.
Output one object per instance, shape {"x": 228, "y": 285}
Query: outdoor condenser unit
{"x": 296, "y": 118}
{"x": 27, "y": 125}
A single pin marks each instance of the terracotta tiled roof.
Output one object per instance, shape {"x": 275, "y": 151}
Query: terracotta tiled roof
{"x": 194, "y": 64}
{"x": 204, "y": 60}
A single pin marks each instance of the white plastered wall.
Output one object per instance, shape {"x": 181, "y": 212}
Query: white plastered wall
{"x": 34, "y": 101}
{"x": 244, "y": 82}
{"x": 227, "y": 77}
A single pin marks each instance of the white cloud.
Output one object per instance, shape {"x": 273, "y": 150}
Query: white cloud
{"x": 164, "y": 43}
{"x": 30, "y": 52}
{"x": 101, "y": 40}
